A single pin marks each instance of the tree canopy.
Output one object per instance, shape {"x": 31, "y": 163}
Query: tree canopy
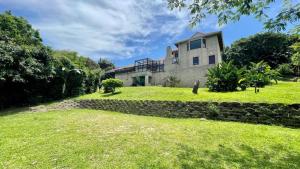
{"x": 18, "y": 30}
{"x": 105, "y": 64}
{"x": 273, "y": 48}
{"x": 31, "y": 72}
{"x": 232, "y": 10}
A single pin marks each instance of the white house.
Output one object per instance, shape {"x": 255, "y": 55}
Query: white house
{"x": 188, "y": 62}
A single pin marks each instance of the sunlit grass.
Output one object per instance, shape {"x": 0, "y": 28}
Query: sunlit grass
{"x": 99, "y": 139}
{"x": 283, "y": 92}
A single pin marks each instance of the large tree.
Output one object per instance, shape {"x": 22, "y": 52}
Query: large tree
{"x": 105, "y": 64}
{"x": 232, "y": 10}
{"x": 273, "y": 48}
{"x": 18, "y": 30}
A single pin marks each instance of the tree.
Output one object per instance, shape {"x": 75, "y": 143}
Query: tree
{"x": 273, "y": 48}
{"x": 232, "y": 10}
{"x": 18, "y": 30}
{"x": 80, "y": 62}
{"x": 30, "y": 74}
{"x": 105, "y": 64}
{"x": 296, "y": 56}
{"x": 260, "y": 74}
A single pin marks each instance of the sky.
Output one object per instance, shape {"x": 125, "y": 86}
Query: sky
{"x": 120, "y": 30}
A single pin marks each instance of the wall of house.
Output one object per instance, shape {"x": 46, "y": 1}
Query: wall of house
{"x": 127, "y": 78}
{"x": 185, "y": 71}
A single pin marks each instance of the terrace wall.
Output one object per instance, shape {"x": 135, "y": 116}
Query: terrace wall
{"x": 278, "y": 114}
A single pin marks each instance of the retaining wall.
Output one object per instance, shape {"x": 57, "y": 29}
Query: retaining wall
{"x": 278, "y": 114}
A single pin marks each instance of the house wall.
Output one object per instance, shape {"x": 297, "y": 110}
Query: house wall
{"x": 185, "y": 71}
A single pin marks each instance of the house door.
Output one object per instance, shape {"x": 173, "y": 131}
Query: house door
{"x": 139, "y": 81}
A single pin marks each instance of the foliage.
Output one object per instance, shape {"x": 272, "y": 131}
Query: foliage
{"x": 260, "y": 74}
{"x": 171, "y": 81}
{"x": 243, "y": 84}
{"x": 18, "y": 31}
{"x": 273, "y": 48}
{"x": 31, "y": 72}
{"x": 285, "y": 69}
{"x": 110, "y": 85}
{"x": 296, "y": 56}
{"x": 232, "y": 10}
{"x": 78, "y": 61}
{"x": 223, "y": 77}
{"x": 24, "y": 73}
{"x": 105, "y": 64}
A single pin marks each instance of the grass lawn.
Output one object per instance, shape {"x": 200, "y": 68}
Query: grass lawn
{"x": 100, "y": 139}
{"x": 283, "y": 92}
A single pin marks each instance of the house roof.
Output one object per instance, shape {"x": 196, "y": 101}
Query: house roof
{"x": 205, "y": 35}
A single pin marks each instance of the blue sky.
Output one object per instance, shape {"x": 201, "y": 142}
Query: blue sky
{"x": 122, "y": 31}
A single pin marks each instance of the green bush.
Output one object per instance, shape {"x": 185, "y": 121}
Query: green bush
{"x": 171, "y": 81}
{"x": 223, "y": 77}
{"x": 260, "y": 74}
{"x": 285, "y": 69}
{"x": 110, "y": 85}
{"x": 75, "y": 83}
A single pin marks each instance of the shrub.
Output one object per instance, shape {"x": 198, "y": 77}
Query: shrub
{"x": 171, "y": 81}
{"x": 243, "y": 84}
{"x": 285, "y": 69}
{"x": 223, "y": 77}
{"x": 260, "y": 74}
{"x": 110, "y": 85}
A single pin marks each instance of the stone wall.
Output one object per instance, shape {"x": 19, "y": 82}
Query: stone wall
{"x": 278, "y": 114}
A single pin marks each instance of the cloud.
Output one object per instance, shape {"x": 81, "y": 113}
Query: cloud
{"x": 98, "y": 28}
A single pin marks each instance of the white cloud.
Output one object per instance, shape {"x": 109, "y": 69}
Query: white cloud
{"x": 98, "y": 28}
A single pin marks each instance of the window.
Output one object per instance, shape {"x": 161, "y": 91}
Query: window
{"x": 204, "y": 43}
{"x": 175, "y": 58}
{"x": 195, "y": 60}
{"x": 187, "y": 46}
{"x": 212, "y": 59}
{"x": 195, "y": 44}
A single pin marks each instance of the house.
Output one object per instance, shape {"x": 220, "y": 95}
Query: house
{"x": 188, "y": 62}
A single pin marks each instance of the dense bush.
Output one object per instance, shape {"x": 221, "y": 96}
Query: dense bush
{"x": 260, "y": 74}
{"x": 223, "y": 77}
{"x": 171, "y": 81}
{"x": 285, "y": 69}
{"x": 272, "y": 48}
{"x": 296, "y": 56}
{"x": 110, "y": 85}
{"x": 31, "y": 72}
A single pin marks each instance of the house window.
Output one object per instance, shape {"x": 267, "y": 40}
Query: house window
{"x": 187, "y": 46}
{"x": 195, "y": 60}
{"x": 212, "y": 59}
{"x": 195, "y": 44}
{"x": 175, "y": 58}
{"x": 204, "y": 43}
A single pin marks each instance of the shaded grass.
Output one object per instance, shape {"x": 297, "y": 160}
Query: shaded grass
{"x": 100, "y": 139}
{"x": 284, "y": 92}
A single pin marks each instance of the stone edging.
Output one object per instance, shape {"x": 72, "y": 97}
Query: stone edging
{"x": 262, "y": 113}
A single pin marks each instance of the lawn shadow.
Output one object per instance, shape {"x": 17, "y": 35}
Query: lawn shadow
{"x": 243, "y": 156}
{"x": 111, "y": 94}
{"x": 13, "y": 110}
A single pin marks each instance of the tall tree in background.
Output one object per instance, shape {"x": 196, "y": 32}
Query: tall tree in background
{"x": 232, "y": 10}
{"x": 105, "y": 64}
{"x": 273, "y": 48}
{"x": 31, "y": 72}
{"x": 296, "y": 56}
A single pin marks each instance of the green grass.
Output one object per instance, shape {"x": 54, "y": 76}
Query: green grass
{"x": 283, "y": 92}
{"x": 99, "y": 139}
